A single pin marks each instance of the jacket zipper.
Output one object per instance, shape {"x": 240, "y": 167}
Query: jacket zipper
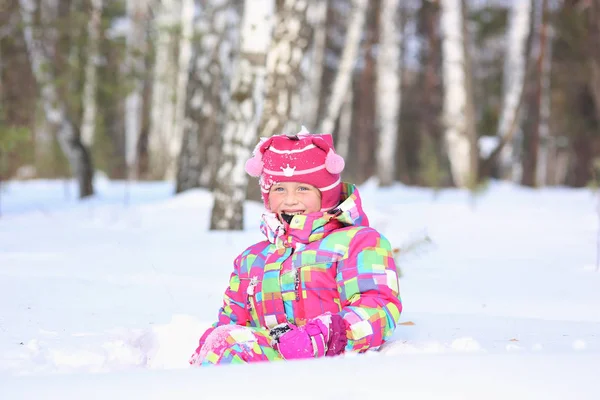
{"x": 250, "y": 292}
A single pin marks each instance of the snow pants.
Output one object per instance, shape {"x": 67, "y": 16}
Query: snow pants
{"x": 235, "y": 344}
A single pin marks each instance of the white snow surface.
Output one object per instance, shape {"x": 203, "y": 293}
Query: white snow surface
{"x": 105, "y": 300}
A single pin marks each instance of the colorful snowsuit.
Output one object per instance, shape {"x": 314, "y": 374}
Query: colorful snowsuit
{"x": 314, "y": 265}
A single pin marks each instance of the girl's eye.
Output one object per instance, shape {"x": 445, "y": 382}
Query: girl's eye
{"x": 303, "y": 188}
{"x": 278, "y": 189}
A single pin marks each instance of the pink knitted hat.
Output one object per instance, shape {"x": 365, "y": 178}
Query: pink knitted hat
{"x": 302, "y": 158}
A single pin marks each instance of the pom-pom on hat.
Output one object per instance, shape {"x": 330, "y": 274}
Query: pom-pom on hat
{"x": 304, "y": 158}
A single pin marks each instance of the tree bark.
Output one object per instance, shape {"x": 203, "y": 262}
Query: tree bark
{"x": 342, "y": 82}
{"x": 240, "y": 132}
{"x": 532, "y": 142}
{"x": 515, "y": 66}
{"x": 291, "y": 36}
{"x": 455, "y": 93}
{"x": 364, "y": 130}
{"x": 424, "y": 150}
{"x": 388, "y": 90}
{"x": 207, "y": 94}
{"x": 55, "y": 107}
{"x": 183, "y": 70}
{"x": 88, "y": 122}
{"x": 135, "y": 68}
{"x": 314, "y": 68}
{"x": 162, "y": 135}
{"x": 470, "y": 113}
{"x": 594, "y": 52}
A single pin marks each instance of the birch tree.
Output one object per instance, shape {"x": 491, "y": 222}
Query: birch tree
{"x": 341, "y": 84}
{"x": 546, "y": 142}
{"x": 456, "y": 135}
{"x": 135, "y": 68}
{"x": 535, "y": 128}
{"x": 88, "y": 123}
{"x": 39, "y": 45}
{"x": 207, "y": 94}
{"x": 388, "y": 90}
{"x": 240, "y": 131}
{"x": 169, "y": 83}
{"x": 470, "y": 112}
{"x": 593, "y": 47}
{"x": 314, "y": 64}
{"x": 424, "y": 150}
{"x": 291, "y": 36}
{"x": 183, "y": 68}
{"x": 515, "y": 65}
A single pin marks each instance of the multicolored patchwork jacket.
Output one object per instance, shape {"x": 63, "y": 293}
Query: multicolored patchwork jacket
{"x": 317, "y": 264}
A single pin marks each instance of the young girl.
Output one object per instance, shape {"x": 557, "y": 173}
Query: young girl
{"x": 323, "y": 283}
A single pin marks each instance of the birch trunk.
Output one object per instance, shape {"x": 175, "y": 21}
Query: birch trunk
{"x": 531, "y": 157}
{"x": 136, "y": 48}
{"x": 164, "y": 86}
{"x": 183, "y": 69}
{"x": 515, "y": 65}
{"x": 388, "y": 90}
{"x": 342, "y": 145}
{"x": 424, "y": 150}
{"x": 470, "y": 113}
{"x": 207, "y": 94}
{"x": 546, "y": 89}
{"x": 594, "y": 53}
{"x": 291, "y": 36}
{"x": 55, "y": 107}
{"x": 314, "y": 64}
{"x": 455, "y": 93}
{"x": 341, "y": 84}
{"x": 364, "y": 130}
{"x": 88, "y": 123}
{"x": 240, "y": 131}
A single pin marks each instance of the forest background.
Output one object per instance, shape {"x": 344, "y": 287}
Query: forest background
{"x": 429, "y": 93}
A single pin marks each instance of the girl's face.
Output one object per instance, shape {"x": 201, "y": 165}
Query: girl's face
{"x": 294, "y": 198}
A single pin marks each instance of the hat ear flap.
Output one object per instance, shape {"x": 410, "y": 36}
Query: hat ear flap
{"x": 334, "y": 163}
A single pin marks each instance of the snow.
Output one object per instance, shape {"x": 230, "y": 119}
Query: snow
{"x": 101, "y": 299}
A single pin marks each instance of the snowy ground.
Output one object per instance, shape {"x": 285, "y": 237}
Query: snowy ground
{"x": 102, "y": 300}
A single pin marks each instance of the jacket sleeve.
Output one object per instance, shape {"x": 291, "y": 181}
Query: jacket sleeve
{"x": 233, "y": 310}
{"x": 368, "y": 285}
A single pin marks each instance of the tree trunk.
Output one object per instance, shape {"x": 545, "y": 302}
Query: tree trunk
{"x": 546, "y": 142}
{"x": 240, "y": 132}
{"x": 135, "y": 69}
{"x": 388, "y": 90}
{"x": 345, "y": 126}
{"x": 162, "y": 135}
{"x": 142, "y": 151}
{"x": 88, "y": 123}
{"x": 207, "y": 95}
{"x": 594, "y": 52}
{"x": 313, "y": 69}
{"x": 424, "y": 149}
{"x": 364, "y": 132}
{"x": 183, "y": 70}
{"x": 54, "y": 107}
{"x": 470, "y": 113}
{"x": 515, "y": 66}
{"x": 455, "y": 93}
{"x": 291, "y": 36}
{"x": 342, "y": 82}
{"x": 532, "y": 140}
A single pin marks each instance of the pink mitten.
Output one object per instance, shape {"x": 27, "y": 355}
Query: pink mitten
{"x": 324, "y": 335}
